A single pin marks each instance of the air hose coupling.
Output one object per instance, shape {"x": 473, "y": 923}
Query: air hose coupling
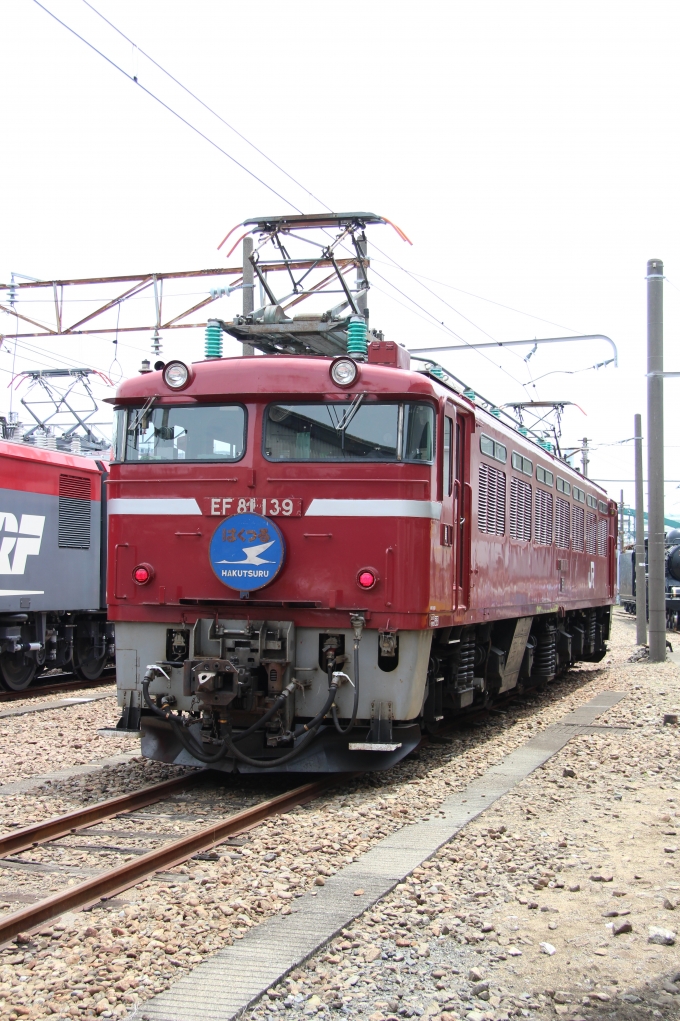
{"x": 153, "y": 671}
{"x": 358, "y": 622}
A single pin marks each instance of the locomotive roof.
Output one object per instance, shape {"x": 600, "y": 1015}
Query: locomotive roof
{"x": 55, "y": 458}
{"x": 301, "y": 376}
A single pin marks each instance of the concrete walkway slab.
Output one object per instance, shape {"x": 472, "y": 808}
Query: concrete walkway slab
{"x": 231, "y": 980}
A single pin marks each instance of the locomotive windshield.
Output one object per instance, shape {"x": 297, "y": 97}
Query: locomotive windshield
{"x": 347, "y": 431}
{"x": 186, "y": 433}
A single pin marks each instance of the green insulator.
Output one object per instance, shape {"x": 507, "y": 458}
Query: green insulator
{"x": 436, "y": 370}
{"x": 496, "y": 412}
{"x": 470, "y": 394}
{"x": 357, "y": 342}
{"x": 523, "y": 430}
{"x": 213, "y": 339}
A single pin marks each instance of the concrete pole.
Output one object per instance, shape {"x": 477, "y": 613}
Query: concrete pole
{"x": 585, "y": 460}
{"x": 640, "y": 559}
{"x": 655, "y": 468}
{"x": 248, "y": 289}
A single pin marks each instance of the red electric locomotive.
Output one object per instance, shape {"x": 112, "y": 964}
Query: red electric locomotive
{"x": 315, "y": 555}
{"x": 52, "y": 560}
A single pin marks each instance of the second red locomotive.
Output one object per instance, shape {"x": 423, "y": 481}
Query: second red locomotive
{"x": 52, "y": 565}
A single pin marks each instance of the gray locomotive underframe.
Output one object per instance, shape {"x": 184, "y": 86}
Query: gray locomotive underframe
{"x": 227, "y": 670}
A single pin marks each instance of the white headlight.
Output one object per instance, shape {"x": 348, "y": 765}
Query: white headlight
{"x": 176, "y": 375}
{"x": 344, "y": 371}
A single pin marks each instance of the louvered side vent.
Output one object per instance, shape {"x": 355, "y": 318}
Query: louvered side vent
{"x": 591, "y": 533}
{"x": 562, "y": 528}
{"x": 543, "y": 529}
{"x": 577, "y": 529}
{"x": 520, "y": 510}
{"x": 602, "y": 533}
{"x": 491, "y": 500}
{"x": 74, "y": 512}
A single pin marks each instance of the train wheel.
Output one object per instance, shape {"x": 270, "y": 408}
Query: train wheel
{"x": 86, "y": 665}
{"x": 16, "y": 671}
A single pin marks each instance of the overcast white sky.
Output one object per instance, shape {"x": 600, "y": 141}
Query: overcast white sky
{"x": 528, "y": 149}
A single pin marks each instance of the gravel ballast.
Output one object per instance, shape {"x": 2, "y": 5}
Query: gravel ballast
{"x": 469, "y": 908}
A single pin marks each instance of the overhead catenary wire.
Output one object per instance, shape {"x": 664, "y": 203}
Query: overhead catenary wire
{"x": 479, "y": 297}
{"x": 260, "y": 180}
{"x": 166, "y": 106}
{"x": 243, "y": 167}
{"x": 449, "y": 329}
{"x": 198, "y": 99}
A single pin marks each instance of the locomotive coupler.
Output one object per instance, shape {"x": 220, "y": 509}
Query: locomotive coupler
{"x": 215, "y": 681}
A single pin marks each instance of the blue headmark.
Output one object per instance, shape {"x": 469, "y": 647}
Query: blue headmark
{"x": 247, "y": 551}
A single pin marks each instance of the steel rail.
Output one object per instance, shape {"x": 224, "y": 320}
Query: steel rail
{"x": 114, "y": 881}
{"x": 37, "y": 690}
{"x": 52, "y": 829}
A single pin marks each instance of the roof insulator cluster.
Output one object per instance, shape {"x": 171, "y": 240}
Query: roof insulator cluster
{"x": 357, "y": 339}
{"x": 213, "y": 339}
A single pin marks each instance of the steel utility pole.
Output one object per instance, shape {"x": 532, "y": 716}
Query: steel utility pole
{"x": 640, "y": 558}
{"x": 655, "y": 468}
{"x": 248, "y": 287}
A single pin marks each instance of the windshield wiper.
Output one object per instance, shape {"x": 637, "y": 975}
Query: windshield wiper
{"x": 148, "y": 404}
{"x": 350, "y": 413}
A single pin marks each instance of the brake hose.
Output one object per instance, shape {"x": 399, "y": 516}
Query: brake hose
{"x": 273, "y": 709}
{"x": 312, "y": 727}
{"x": 185, "y": 739}
{"x": 336, "y": 723}
{"x": 227, "y": 746}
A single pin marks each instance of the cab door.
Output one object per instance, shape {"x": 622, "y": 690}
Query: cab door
{"x": 462, "y": 508}
{"x": 446, "y": 522}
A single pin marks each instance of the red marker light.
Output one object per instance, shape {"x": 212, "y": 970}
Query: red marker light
{"x": 366, "y": 579}
{"x": 142, "y": 574}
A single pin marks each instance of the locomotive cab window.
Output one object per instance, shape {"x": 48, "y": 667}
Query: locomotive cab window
{"x": 356, "y": 431}
{"x": 186, "y": 433}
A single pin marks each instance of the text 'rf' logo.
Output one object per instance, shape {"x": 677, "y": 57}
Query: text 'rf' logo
{"x": 24, "y": 544}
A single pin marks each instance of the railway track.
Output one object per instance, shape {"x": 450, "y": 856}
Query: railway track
{"x": 113, "y": 881}
{"x": 38, "y": 690}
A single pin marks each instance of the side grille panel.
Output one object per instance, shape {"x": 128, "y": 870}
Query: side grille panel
{"x": 75, "y": 492}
